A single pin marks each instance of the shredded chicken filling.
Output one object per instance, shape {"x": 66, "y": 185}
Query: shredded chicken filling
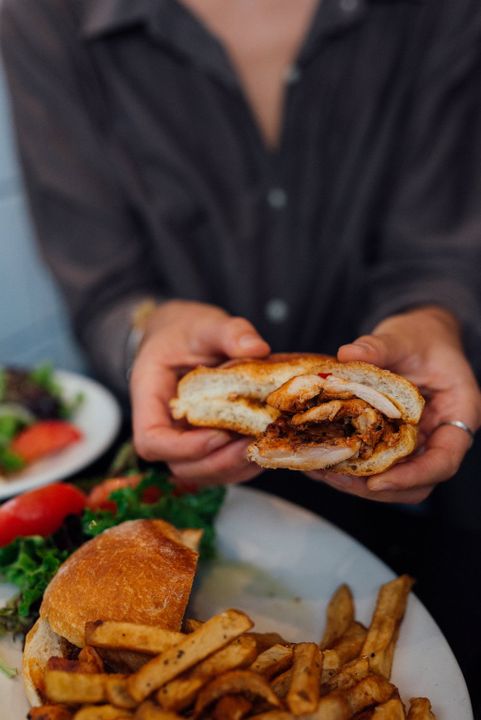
{"x": 336, "y": 421}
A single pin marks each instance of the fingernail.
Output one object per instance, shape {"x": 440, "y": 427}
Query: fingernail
{"x": 362, "y": 346}
{"x": 248, "y": 341}
{"x": 375, "y": 486}
{"x": 217, "y": 441}
{"x": 339, "y": 481}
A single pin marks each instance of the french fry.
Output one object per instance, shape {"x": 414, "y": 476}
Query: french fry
{"x": 273, "y": 661}
{"x": 282, "y": 683}
{"x": 388, "y": 614}
{"x": 211, "y": 636}
{"x": 420, "y": 709}
{"x": 180, "y": 693}
{"x": 130, "y": 636}
{"x": 236, "y": 682}
{"x": 117, "y": 693}
{"x": 267, "y": 639}
{"x": 49, "y": 712}
{"x": 340, "y": 616}
{"x": 239, "y": 653}
{"x": 149, "y": 711}
{"x": 349, "y": 674}
{"x": 273, "y": 715}
{"x": 373, "y": 689}
{"x": 303, "y": 694}
{"x": 390, "y": 710}
{"x": 71, "y": 688}
{"x": 347, "y": 648}
{"x": 192, "y": 624}
{"x": 101, "y": 712}
{"x": 331, "y": 707}
{"x": 232, "y": 707}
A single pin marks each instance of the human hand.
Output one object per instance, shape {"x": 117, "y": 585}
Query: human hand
{"x": 423, "y": 345}
{"x": 179, "y": 336}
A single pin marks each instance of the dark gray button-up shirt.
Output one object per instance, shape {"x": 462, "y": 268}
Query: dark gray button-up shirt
{"x": 147, "y": 174}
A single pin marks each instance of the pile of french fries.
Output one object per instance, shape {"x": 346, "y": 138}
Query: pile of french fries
{"x": 222, "y": 670}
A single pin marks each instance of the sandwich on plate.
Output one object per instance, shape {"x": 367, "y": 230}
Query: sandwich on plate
{"x": 139, "y": 572}
{"x": 307, "y": 412}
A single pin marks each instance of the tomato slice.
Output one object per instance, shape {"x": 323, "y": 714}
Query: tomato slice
{"x": 39, "y": 512}
{"x": 44, "y": 438}
{"x": 99, "y": 496}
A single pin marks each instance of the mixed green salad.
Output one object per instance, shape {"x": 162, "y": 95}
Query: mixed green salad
{"x": 34, "y": 416}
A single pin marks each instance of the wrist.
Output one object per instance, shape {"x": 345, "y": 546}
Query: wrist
{"x": 139, "y": 321}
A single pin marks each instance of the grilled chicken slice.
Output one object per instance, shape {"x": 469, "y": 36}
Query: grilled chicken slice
{"x": 296, "y": 394}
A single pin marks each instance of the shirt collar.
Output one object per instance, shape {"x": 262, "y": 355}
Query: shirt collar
{"x": 99, "y": 17}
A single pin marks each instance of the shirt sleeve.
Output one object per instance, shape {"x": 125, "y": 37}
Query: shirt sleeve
{"x": 429, "y": 243}
{"x": 86, "y": 225}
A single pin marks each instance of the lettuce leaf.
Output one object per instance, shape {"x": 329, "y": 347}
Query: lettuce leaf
{"x": 188, "y": 510}
{"x": 29, "y": 563}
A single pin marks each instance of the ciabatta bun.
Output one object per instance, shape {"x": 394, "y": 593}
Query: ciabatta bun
{"x": 140, "y": 571}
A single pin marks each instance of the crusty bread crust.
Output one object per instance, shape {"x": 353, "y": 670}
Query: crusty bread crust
{"x": 139, "y": 571}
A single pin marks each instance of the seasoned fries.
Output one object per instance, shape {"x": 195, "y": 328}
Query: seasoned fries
{"x": 303, "y": 694}
{"x": 273, "y": 661}
{"x": 101, "y": 712}
{"x": 129, "y": 636}
{"x": 70, "y": 688}
{"x": 211, "y": 636}
{"x": 49, "y": 712}
{"x": 340, "y": 616}
{"x": 390, "y": 710}
{"x": 420, "y": 709}
{"x": 390, "y": 608}
{"x": 243, "y": 682}
{"x": 222, "y": 670}
{"x": 232, "y": 707}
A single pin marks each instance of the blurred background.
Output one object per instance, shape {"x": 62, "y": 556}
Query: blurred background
{"x": 33, "y": 324}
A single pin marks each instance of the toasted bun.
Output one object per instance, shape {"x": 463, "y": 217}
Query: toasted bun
{"x": 233, "y": 397}
{"x": 139, "y": 571}
{"x": 41, "y": 643}
{"x": 225, "y": 397}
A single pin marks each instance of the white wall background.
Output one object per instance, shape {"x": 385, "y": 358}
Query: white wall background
{"x": 33, "y": 324}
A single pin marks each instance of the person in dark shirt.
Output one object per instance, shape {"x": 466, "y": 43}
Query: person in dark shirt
{"x": 269, "y": 176}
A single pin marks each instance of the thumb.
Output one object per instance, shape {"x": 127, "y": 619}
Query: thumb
{"x": 384, "y": 350}
{"x": 231, "y": 336}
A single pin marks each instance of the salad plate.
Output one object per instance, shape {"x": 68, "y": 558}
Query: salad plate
{"x": 281, "y": 564}
{"x": 98, "y": 419}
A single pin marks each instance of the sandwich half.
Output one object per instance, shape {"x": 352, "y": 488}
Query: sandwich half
{"x": 307, "y": 412}
{"x": 140, "y": 571}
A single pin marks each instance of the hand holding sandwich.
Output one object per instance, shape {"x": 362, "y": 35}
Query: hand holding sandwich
{"x": 424, "y": 345}
{"x": 179, "y": 336}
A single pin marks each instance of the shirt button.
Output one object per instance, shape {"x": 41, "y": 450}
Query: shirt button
{"x": 293, "y": 74}
{"x": 277, "y": 198}
{"x": 349, "y": 6}
{"x": 276, "y": 310}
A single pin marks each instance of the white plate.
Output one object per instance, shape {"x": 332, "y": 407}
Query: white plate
{"x": 281, "y": 564}
{"x": 98, "y": 418}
